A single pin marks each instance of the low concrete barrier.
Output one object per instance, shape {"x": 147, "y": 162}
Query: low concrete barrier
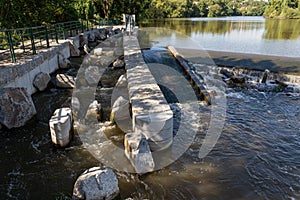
{"x": 23, "y": 73}
{"x": 151, "y": 114}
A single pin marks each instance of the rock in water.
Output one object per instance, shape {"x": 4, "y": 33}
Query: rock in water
{"x": 238, "y": 79}
{"x": 265, "y": 76}
{"x": 41, "y": 81}
{"x": 93, "y": 112}
{"x": 91, "y": 37}
{"x": 96, "y": 183}
{"x": 64, "y": 81}
{"x": 119, "y": 64}
{"x": 16, "y": 107}
{"x": 60, "y": 126}
{"x": 227, "y": 73}
{"x": 138, "y": 152}
{"x": 120, "y": 113}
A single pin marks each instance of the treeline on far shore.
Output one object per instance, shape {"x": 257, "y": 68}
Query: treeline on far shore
{"x": 24, "y": 13}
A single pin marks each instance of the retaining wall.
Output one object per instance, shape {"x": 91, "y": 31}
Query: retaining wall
{"x": 22, "y": 73}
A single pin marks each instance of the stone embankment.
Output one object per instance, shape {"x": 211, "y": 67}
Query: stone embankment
{"x": 18, "y": 81}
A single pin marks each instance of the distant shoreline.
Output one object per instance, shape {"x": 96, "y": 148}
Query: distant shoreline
{"x": 280, "y": 64}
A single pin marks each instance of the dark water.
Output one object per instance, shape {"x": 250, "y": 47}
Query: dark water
{"x": 234, "y": 34}
{"x": 256, "y": 157}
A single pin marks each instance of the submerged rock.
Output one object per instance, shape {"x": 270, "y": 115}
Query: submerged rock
{"x": 16, "y": 108}
{"x": 238, "y": 79}
{"x": 226, "y": 73}
{"x": 96, "y": 183}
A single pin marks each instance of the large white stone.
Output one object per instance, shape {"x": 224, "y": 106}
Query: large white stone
{"x": 41, "y": 81}
{"x": 63, "y": 62}
{"x": 157, "y": 127}
{"x": 96, "y": 183}
{"x": 16, "y": 107}
{"x": 60, "y": 126}
{"x": 138, "y": 152}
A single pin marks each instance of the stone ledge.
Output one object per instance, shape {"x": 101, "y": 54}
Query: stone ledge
{"x": 151, "y": 114}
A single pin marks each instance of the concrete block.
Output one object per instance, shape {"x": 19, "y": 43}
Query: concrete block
{"x": 96, "y": 183}
{"x": 60, "y": 126}
{"x": 157, "y": 128}
{"x": 138, "y": 152}
{"x": 41, "y": 81}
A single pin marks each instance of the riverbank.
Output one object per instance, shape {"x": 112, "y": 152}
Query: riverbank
{"x": 279, "y": 64}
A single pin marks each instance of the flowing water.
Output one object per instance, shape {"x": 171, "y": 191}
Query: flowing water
{"x": 256, "y": 156}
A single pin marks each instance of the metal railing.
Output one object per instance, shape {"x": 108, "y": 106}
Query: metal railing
{"x": 26, "y": 41}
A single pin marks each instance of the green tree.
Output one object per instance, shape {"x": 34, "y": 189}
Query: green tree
{"x": 283, "y": 9}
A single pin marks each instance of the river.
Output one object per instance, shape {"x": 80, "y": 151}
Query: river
{"x": 256, "y": 156}
{"x": 234, "y": 34}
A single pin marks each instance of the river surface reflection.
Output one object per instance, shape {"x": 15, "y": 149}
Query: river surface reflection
{"x": 234, "y": 34}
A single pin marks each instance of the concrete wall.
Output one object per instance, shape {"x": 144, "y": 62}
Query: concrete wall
{"x": 22, "y": 73}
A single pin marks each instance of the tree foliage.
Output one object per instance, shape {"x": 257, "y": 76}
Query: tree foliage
{"x": 283, "y": 9}
{"x": 23, "y": 13}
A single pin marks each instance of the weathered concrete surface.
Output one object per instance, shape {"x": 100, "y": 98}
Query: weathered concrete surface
{"x": 16, "y": 107}
{"x": 63, "y": 62}
{"x": 41, "y": 81}
{"x": 96, "y": 183}
{"x": 151, "y": 114}
{"x": 137, "y": 150}
{"x": 60, "y": 126}
{"x": 22, "y": 73}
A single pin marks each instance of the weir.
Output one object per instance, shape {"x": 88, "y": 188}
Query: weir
{"x": 151, "y": 114}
